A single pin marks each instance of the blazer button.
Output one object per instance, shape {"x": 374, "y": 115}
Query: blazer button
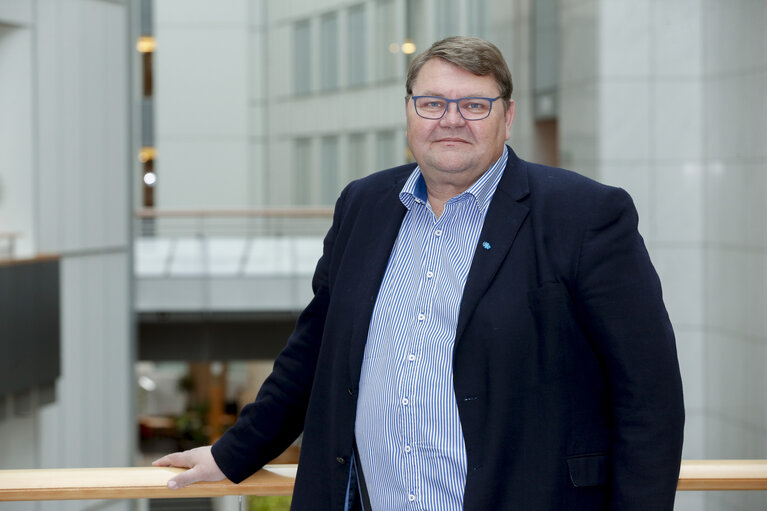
{"x": 340, "y": 460}
{"x": 350, "y": 391}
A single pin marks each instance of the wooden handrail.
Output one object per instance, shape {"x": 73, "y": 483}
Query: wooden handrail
{"x": 133, "y": 483}
{"x": 150, "y": 482}
{"x": 39, "y": 258}
{"x": 723, "y": 475}
{"x": 235, "y": 213}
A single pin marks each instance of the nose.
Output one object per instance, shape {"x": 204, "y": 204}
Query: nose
{"x": 452, "y": 116}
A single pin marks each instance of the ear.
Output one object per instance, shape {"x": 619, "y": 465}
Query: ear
{"x": 509, "y": 115}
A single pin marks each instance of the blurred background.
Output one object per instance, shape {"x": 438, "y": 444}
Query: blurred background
{"x": 168, "y": 169}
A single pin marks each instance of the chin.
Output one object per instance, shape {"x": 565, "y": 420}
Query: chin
{"x": 453, "y": 167}
{"x": 456, "y": 160}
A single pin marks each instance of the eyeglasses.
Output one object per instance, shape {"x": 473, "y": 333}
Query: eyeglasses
{"x": 471, "y": 109}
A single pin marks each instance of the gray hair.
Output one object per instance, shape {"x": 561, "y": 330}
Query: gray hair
{"x": 474, "y": 55}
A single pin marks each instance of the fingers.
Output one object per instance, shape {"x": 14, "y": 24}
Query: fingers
{"x": 185, "y": 478}
{"x": 176, "y": 459}
{"x": 202, "y": 467}
{"x": 162, "y": 462}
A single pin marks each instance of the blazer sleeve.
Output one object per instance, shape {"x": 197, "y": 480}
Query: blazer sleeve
{"x": 266, "y": 427}
{"x": 620, "y": 306}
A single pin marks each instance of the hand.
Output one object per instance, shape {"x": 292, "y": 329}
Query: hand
{"x": 199, "y": 461}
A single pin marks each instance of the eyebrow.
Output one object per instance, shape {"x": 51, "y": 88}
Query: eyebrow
{"x": 438, "y": 94}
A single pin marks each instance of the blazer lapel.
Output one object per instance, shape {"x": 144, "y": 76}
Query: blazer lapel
{"x": 381, "y": 222}
{"x": 504, "y": 218}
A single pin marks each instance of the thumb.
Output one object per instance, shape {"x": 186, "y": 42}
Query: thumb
{"x": 185, "y": 478}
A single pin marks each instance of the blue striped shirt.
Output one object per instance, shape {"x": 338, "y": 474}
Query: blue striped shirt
{"x": 409, "y": 435}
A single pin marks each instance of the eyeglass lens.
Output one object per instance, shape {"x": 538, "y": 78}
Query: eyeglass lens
{"x": 434, "y": 107}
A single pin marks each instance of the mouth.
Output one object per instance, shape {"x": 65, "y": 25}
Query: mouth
{"x": 452, "y": 140}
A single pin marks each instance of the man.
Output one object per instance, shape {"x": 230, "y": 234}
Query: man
{"x": 486, "y": 333}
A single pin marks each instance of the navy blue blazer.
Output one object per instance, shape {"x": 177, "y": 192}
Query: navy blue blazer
{"x": 565, "y": 367}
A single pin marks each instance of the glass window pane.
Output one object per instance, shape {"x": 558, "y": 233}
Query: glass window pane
{"x": 415, "y": 24}
{"x": 448, "y": 16}
{"x": 387, "y": 47}
{"x": 477, "y": 18}
{"x": 329, "y": 49}
{"x": 358, "y": 155}
{"x": 302, "y": 57}
{"x": 303, "y": 168}
{"x": 329, "y": 175}
{"x": 356, "y": 46}
{"x": 385, "y": 152}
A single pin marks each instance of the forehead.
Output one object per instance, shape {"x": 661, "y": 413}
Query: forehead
{"x": 440, "y": 77}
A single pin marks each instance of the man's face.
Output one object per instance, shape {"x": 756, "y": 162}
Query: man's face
{"x": 452, "y": 149}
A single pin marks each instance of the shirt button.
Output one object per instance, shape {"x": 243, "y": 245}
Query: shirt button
{"x": 411, "y": 357}
{"x": 429, "y": 274}
{"x": 405, "y": 401}
{"x": 411, "y": 497}
{"x": 438, "y": 232}
{"x": 407, "y": 448}
{"x": 421, "y": 317}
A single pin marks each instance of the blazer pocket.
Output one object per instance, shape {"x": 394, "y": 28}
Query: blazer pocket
{"x": 589, "y": 470}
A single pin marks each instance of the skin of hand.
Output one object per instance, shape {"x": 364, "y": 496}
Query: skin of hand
{"x": 199, "y": 461}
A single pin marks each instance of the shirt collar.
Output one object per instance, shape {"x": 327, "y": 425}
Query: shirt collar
{"x": 481, "y": 190}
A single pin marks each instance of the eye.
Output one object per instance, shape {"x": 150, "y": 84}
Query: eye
{"x": 433, "y": 103}
{"x": 475, "y": 105}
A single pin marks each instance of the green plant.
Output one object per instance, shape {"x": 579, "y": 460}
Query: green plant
{"x": 269, "y": 503}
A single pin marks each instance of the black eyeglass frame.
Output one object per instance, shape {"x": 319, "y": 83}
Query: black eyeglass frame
{"x": 457, "y": 106}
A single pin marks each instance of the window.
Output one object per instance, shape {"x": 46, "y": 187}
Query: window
{"x": 415, "y": 26}
{"x": 545, "y": 66}
{"x": 329, "y": 50}
{"x": 385, "y": 150}
{"x": 476, "y": 18}
{"x": 303, "y": 171}
{"x": 356, "y": 46}
{"x": 387, "y": 48}
{"x": 302, "y": 57}
{"x": 329, "y": 175}
{"x": 448, "y": 17}
{"x": 358, "y": 165}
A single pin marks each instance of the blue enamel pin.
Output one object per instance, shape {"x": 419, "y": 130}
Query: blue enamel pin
{"x": 486, "y": 245}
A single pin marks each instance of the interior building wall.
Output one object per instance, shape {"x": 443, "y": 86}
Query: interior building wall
{"x": 71, "y": 167}
{"x": 203, "y": 71}
{"x": 18, "y": 428}
{"x": 16, "y": 188}
{"x": 666, "y": 99}
{"x": 734, "y": 187}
